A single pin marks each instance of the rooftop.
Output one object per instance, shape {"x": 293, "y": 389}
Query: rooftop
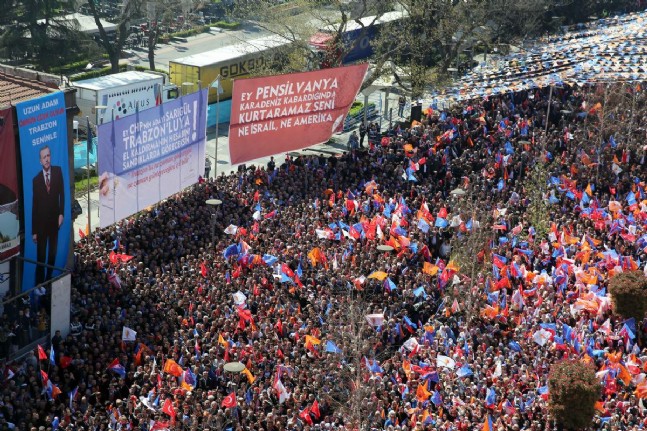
{"x": 14, "y": 89}
{"x": 228, "y": 53}
{"x": 83, "y": 23}
{"x": 116, "y": 80}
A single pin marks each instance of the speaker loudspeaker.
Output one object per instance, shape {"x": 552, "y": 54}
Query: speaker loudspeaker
{"x": 416, "y": 113}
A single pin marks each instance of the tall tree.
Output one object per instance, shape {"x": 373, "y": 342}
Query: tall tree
{"x": 627, "y": 291}
{"x": 573, "y": 389}
{"x": 158, "y": 12}
{"x": 114, "y": 45}
{"x": 299, "y": 20}
{"x": 32, "y": 31}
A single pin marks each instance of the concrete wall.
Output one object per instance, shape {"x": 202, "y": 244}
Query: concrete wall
{"x": 4, "y": 283}
{"x": 60, "y": 313}
{"x": 53, "y": 81}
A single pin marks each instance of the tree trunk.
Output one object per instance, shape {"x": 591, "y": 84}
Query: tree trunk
{"x": 152, "y": 40}
{"x": 114, "y": 61}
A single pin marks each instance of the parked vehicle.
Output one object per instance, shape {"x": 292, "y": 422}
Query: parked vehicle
{"x": 120, "y": 95}
{"x": 356, "y": 39}
{"x": 229, "y": 62}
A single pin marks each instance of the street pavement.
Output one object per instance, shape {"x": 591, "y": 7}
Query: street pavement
{"x": 197, "y": 44}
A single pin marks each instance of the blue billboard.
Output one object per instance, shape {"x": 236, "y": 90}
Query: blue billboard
{"x": 151, "y": 155}
{"x": 42, "y": 127}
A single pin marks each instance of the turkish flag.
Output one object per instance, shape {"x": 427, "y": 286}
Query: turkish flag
{"x": 244, "y": 314}
{"x": 305, "y": 415}
{"x": 41, "y": 353}
{"x": 230, "y": 401}
{"x": 315, "y": 409}
{"x": 158, "y": 425}
{"x": 66, "y": 361}
{"x": 44, "y": 376}
{"x": 168, "y": 408}
{"x": 203, "y": 269}
{"x": 124, "y": 257}
{"x": 236, "y": 272}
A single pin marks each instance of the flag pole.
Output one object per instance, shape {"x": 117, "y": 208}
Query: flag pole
{"x": 550, "y": 100}
{"x": 218, "y": 90}
{"x": 87, "y": 168}
{"x": 215, "y": 171}
{"x": 87, "y": 150}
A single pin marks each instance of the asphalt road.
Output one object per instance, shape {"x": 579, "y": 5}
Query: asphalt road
{"x": 200, "y": 43}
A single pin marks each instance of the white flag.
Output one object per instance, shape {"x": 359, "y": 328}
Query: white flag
{"x": 542, "y": 337}
{"x": 239, "y": 298}
{"x": 411, "y": 344}
{"x": 281, "y": 392}
{"x": 445, "y": 361}
{"x": 498, "y": 370}
{"x": 216, "y": 84}
{"x": 128, "y": 334}
{"x": 231, "y": 229}
{"x": 257, "y": 215}
{"x": 375, "y": 319}
{"x": 379, "y": 233}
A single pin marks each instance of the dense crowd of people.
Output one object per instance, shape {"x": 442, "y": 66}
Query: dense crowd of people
{"x": 453, "y": 326}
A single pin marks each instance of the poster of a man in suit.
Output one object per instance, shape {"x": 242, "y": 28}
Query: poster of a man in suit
{"x": 48, "y": 208}
{"x": 45, "y": 157}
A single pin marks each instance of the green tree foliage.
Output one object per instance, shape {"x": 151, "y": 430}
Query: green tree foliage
{"x": 535, "y": 185}
{"x": 299, "y": 20}
{"x": 114, "y": 44}
{"x": 629, "y": 294}
{"x": 32, "y": 32}
{"x": 573, "y": 391}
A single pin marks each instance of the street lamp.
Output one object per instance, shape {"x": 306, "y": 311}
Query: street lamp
{"x": 213, "y": 203}
{"x": 87, "y": 153}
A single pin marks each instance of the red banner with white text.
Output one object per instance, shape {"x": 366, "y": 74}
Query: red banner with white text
{"x": 9, "y": 195}
{"x": 275, "y": 114}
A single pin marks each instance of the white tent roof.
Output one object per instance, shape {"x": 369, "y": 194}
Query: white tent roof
{"x": 85, "y": 23}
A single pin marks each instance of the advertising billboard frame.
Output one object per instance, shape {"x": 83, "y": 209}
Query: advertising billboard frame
{"x": 146, "y": 157}
{"x": 42, "y": 128}
{"x": 281, "y": 113}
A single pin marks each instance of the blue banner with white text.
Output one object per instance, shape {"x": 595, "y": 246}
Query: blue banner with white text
{"x": 42, "y": 127}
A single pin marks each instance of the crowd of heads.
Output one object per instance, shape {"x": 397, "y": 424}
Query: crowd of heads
{"x": 483, "y": 206}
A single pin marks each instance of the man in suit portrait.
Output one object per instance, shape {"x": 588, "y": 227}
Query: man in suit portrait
{"x": 47, "y": 213}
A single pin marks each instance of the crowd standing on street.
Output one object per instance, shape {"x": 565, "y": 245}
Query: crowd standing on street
{"x": 335, "y": 333}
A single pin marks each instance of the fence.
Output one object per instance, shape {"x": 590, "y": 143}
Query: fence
{"x": 353, "y": 121}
